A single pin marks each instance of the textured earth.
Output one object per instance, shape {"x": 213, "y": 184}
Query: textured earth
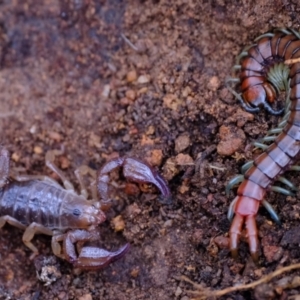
{"x": 100, "y": 79}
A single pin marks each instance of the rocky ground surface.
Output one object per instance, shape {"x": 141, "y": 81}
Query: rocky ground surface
{"x": 102, "y": 79}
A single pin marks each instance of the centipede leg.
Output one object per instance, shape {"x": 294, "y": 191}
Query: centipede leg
{"x": 271, "y": 211}
{"x": 252, "y": 236}
{"x": 231, "y": 208}
{"x": 275, "y": 131}
{"x": 232, "y": 182}
{"x": 235, "y": 232}
{"x": 287, "y": 182}
{"x": 294, "y": 168}
{"x": 281, "y": 190}
{"x": 245, "y": 167}
{"x": 260, "y": 145}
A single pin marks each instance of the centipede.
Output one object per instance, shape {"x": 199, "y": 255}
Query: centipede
{"x": 263, "y": 70}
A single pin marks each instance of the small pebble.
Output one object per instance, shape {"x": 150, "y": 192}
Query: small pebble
{"x": 214, "y": 83}
{"x": 118, "y": 223}
{"x": 182, "y": 142}
{"x": 106, "y": 91}
{"x": 154, "y": 157}
{"x": 86, "y": 297}
{"x": 131, "y": 94}
{"x": 131, "y": 76}
{"x": 143, "y": 79}
{"x": 37, "y": 150}
{"x": 15, "y": 157}
{"x": 232, "y": 139}
{"x": 184, "y": 160}
{"x": 178, "y": 291}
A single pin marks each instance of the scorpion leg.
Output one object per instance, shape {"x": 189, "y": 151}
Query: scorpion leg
{"x": 4, "y": 166}
{"x": 11, "y": 221}
{"x": 31, "y": 230}
{"x": 50, "y": 157}
{"x": 133, "y": 169}
{"x": 79, "y": 173}
{"x": 37, "y": 177}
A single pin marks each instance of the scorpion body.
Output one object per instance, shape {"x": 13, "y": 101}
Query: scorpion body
{"x": 39, "y": 205}
{"x": 263, "y": 74}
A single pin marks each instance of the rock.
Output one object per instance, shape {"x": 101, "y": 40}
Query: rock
{"x": 232, "y": 138}
{"x": 182, "y": 142}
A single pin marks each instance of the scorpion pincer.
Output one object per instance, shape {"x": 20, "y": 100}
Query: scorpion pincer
{"x": 40, "y": 205}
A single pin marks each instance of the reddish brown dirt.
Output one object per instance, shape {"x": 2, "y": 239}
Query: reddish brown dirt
{"x": 68, "y": 78}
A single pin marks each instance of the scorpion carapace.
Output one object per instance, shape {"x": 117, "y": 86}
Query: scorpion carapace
{"x": 263, "y": 73}
{"x": 38, "y": 204}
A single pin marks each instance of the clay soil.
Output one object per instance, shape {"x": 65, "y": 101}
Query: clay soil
{"x": 101, "y": 79}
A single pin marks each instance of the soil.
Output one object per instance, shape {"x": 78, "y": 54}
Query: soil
{"x": 101, "y": 79}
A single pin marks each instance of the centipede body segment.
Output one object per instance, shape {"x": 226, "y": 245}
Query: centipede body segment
{"x": 263, "y": 75}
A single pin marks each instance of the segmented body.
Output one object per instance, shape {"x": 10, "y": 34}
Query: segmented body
{"x": 262, "y": 76}
{"x": 38, "y": 201}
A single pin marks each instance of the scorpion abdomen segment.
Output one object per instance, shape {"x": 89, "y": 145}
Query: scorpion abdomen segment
{"x": 32, "y": 201}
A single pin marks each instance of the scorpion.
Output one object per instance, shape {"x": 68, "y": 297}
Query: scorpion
{"x": 40, "y": 205}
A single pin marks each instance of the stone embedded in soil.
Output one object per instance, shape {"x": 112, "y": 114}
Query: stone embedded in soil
{"x": 118, "y": 223}
{"x": 171, "y": 101}
{"x": 86, "y": 297}
{"x": 222, "y": 242}
{"x": 272, "y": 253}
{"x": 184, "y": 160}
{"x": 182, "y": 142}
{"x": 291, "y": 237}
{"x": 38, "y": 150}
{"x": 131, "y": 76}
{"x": 214, "y": 83}
{"x": 265, "y": 291}
{"x": 154, "y": 157}
{"x": 232, "y": 139}
{"x": 170, "y": 169}
{"x": 241, "y": 117}
{"x": 143, "y": 79}
{"x": 131, "y": 94}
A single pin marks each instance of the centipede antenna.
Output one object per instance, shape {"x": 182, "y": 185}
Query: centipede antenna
{"x": 245, "y": 167}
{"x": 287, "y": 182}
{"x": 271, "y": 211}
{"x": 281, "y": 190}
{"x": 260, "y": 145}
{"x": 232, "y": 182}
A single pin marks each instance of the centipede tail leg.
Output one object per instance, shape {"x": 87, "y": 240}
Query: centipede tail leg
{"x": 235, "y": 232}
{"x": 252, "y": 236}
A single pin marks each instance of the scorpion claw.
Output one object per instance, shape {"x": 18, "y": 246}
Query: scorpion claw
{"x": 94, "y": 258}
{"x": 135, "y": 170}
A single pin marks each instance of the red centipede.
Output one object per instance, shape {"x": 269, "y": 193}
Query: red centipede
{"x": 263, "y": 74}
